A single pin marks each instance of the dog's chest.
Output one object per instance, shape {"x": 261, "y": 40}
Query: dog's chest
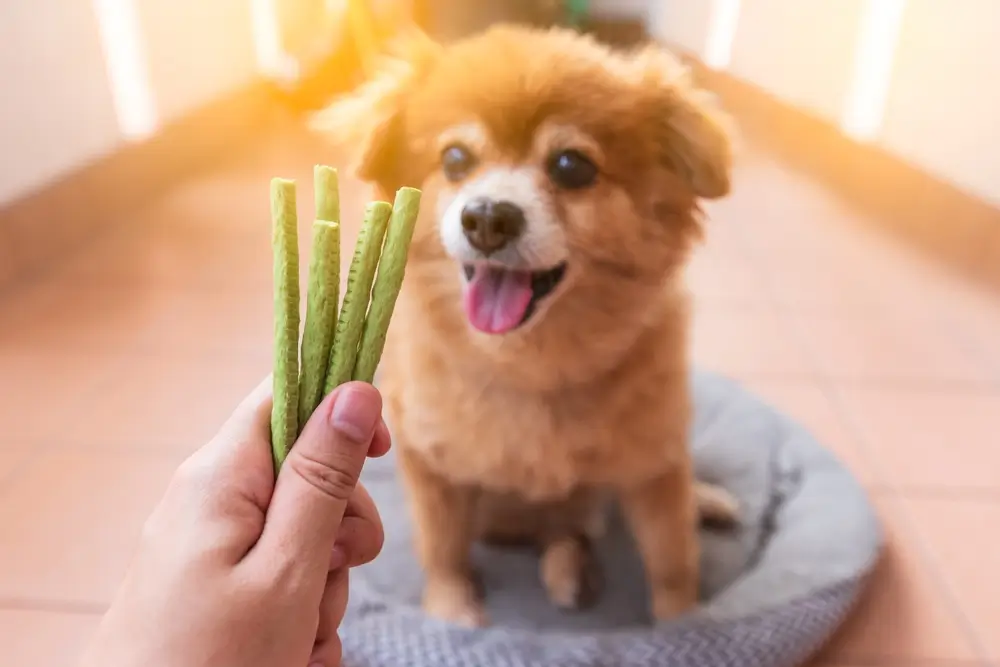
{"x": 508, "y": 446}
{"x": 540, "y": 448}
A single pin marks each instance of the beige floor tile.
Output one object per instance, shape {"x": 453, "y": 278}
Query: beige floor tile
{"x": 69, "y": 523}
{"x": 746, "y": 343}
{"x": 858, "y": 284}
{"x": 44, "y": 638}
{"x": 14, "y": 456}
{"x": 44, "y": 393}
{"x": 966, "y": 557}
{"x": 59, "y": 315}
{"x": 176, "y": 402}
{"x": 806, "y": 402}
{"x": 931, "y": 439}
{"x": 143, "y": 319}
{"x": 904, "y": 618}
{"x": 719, "y": 277}
{"x": 974, "y": 317}
{"x": 888, "y": 350}
{"x": 171, "y": 257}
{"x": 819, "y": 292}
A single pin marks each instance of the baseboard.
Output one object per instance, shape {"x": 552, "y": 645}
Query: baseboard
{"x": 618, "y": 31}
{"x": 917, "y": 208}
{"x": 38, "y": 229}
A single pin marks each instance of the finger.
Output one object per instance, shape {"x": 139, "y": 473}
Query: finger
{"x": 333, "y": 606}
{"x": 319, "y": 477}
{"x": 382, "y": 441}
{"x": 252, "y": 417}
{"x": 361, "y": 534}
{"x": 243, "y": 440}
{"x": 328, "y": 654}
{"x": 328, "y": 650}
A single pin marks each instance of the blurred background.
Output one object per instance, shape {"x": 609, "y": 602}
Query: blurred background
{"x": 851, "y": 279}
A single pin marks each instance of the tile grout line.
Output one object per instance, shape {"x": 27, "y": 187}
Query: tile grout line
{"x": 970, "y": 346}
{"x": 43, "y": 447}
{"x": 41, "y": 450}
{"x": 53, "y": 606}
{"x": 936, "y": 571}
{"x": 818, "y": 375}
{"x": 828, "y": 387}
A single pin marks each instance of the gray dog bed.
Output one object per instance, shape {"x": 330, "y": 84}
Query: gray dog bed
{"x": 774, "y": 589}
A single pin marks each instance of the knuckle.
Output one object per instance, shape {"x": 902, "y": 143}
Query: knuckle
{"x": 264, "y": 586}
{"x": 331, "y": 480}
{"x": 192, "y": 473}
{"x": 151, "y": 529}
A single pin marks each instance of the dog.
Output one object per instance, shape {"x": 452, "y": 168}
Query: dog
{"x": 537, "y": 363}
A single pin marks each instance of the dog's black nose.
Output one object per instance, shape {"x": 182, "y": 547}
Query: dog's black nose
{"x": 490, "y": 225}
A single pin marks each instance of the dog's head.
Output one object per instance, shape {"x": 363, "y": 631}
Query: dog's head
{"x": 560, "y": 178}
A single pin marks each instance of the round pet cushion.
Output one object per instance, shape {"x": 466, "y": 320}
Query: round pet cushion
{"x": 774, "y": 589}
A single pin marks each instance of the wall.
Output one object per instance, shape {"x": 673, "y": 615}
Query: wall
{"x": 800, "y": 50}
{"x": 942, "y": 102}
{"x": 198, "y": 50}
{"x": 943, "y": 111}
{"x": 628, "y": 9}
{"x": 57, "y": 111}
{"x": 681, "y": 23}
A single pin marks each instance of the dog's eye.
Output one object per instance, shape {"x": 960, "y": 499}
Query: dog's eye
{"x": 457, "y": 161}
{"x": 571, "y": 170}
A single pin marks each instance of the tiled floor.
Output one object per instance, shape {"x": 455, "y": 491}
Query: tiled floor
{"x": 126, "y": 356}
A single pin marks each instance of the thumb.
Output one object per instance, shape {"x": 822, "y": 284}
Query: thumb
{"x": 319, "y": 476}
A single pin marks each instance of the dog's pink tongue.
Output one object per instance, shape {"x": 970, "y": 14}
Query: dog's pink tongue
{"x": 496, "y": 299}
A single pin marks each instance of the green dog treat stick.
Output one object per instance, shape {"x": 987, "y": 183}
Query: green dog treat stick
{"x": 388, "y": 282}
{"x": 324, "y": 292}
{"x": 359, "y": 286}
{"x": 321, "y": 316}
{"x": 327, "y": 194}
{"x": 285, "y": 240}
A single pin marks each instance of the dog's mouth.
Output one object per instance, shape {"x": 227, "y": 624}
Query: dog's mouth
{"x": 498, "y": 299}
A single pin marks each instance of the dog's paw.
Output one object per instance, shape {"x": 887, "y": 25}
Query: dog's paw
{"x": 716, "y": 506}
{"x": 570, "y": 574}
{"x": 669, "y": 603}
{"x": 455, "y": 600}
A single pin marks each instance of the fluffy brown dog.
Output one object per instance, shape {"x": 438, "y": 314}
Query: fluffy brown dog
{"x": 538, "y": 355}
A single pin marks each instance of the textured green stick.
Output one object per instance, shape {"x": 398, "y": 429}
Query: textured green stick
{"x": 391, "y": 268}
{"x": 321, "y": 316}
{"x": 327, "y": 193}
{"x": 359, "y": 286}
{"x": 285, "y": 240}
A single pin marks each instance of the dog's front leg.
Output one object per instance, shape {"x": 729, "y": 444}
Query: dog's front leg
{"x": 444, "y": 516}
{"x": 663, "y": 516}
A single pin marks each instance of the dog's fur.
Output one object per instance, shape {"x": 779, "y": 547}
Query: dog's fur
{"x": 518, "y": 437}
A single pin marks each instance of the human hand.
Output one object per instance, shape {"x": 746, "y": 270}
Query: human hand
{"x": 235, "y": 569}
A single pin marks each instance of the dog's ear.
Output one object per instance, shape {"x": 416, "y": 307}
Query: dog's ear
{"x": 369, "y": 122}
{"x": 695, "y": 136}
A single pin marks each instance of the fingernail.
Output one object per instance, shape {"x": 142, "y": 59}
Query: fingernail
{"x": 356, "y": 411}
{"x": 338, "y": 558}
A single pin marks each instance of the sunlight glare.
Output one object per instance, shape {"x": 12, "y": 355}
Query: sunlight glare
{"x": 873, "y": 64}
{"x": 272, "y": 60}
{"x": 127, "y": 66}
{"x": 724, "y": 20}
